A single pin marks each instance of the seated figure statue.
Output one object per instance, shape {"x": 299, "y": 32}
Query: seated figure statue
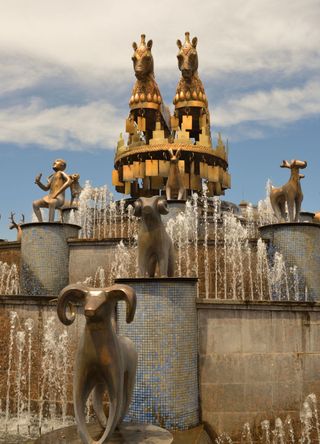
{"x": 57, "y": 183}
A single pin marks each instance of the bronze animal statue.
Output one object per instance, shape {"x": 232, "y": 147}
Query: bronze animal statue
{"x": 190, "y": 98}
{"x": 155, "y": 246}
{"x": 174, "y": 186}
{"x": 104, "y": 362}
{"x": 146, "y": 104}
{"x": 290, "y": 193}
{"x": 16, "y": 225}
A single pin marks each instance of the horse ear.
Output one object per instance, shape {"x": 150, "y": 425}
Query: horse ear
{"x": 178, "y": 153}
{"x": 134, "y": 46}
{"x": 179, "y": 44}
{"x": 149, "y": 44}
{"x": 194, "y": 42}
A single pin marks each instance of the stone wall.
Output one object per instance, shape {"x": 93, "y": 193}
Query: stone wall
{"x": 10, "y": 252}
{"x": 257, "y": 361}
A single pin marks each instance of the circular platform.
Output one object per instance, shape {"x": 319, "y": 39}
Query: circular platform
{"x": 128, "y": 434}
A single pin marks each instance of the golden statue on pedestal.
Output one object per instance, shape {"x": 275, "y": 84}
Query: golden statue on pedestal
{"x": 142, "y": 165}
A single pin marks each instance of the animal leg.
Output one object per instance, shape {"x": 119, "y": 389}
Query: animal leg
{"x": 291, "y": 211}
{"x": 163, "y": 265}
{"x": 115, "y": 397}
{"x": 142, "y": 265}
{"x": 97, "y": 398}
{"x": 171, "y": 262}
{"x": 82, "y": 387}
{"x": 168, "y": 193}
{"x": 181, "y": 194}
{"x": 298, "y": 208}
{"x": 152, "y": 266}
{"x": 131, "y": 357}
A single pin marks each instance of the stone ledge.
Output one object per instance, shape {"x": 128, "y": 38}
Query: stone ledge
{"x": 219, "y": 304}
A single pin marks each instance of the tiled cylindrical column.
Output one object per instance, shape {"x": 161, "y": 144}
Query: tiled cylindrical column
{"x": 45, "y": 257}
{"x": 165, "y": 333}
{"x": 299, "y": 243}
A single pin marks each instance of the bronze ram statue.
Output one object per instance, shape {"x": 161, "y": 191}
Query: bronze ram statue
{"x": 104, "y": 362}
{"x": 155, "y": 246}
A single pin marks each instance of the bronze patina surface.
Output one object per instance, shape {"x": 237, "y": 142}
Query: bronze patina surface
{"x": 290, "y": 193}
{"x": 105, "y": 362}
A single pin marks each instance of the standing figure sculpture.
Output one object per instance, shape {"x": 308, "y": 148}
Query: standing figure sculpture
{"x": 104, "y": 362}
{"x": 174, "y": 186}
{"x": 290, "y": 193}
{"x": 57, "y": 183}
{"x": 155, "y": 246}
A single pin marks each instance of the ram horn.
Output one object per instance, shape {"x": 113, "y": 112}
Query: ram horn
{"x": 162, "y": 206}
{"x": 124, "y": 293}
{"x": 70, "y": 294}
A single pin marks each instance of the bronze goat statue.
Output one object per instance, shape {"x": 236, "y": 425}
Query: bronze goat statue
{"x": 290, "y": 193}
{"x": 104, "y": 362}
{"x": 174, "y": 186}
{"x": 154, "y": 243}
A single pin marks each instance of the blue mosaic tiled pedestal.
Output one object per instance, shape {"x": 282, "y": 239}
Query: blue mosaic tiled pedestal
{"x": 165, "y": 333}
{"x": 299, "y": 243}
{"x": 45, "y": 257}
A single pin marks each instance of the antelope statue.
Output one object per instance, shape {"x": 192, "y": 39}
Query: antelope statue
{"x": 174, "y": 185}
{"x": 289, "y": 193}
{"x": 16, "y": 225}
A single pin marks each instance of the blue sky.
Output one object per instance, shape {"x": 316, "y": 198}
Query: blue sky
{"x": 66, "y": 77}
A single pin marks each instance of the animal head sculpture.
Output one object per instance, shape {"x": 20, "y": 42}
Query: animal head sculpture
{"x": 142, "y": 59}
{"x": 174, "y": 158}
{"x": 150, "y": 206}
{"x": 188, "y": 57}
{"x": 96, "y": 301}
{"x": 298, "y": 164}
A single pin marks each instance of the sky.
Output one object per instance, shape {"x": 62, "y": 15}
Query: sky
{"x": 66, "y": 78}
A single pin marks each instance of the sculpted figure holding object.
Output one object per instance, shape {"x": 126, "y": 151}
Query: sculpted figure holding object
{"x": 57, "y": 183}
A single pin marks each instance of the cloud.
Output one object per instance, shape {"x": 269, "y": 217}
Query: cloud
{"x": 272, "y": 108}
{"x": 91, "y": 126}
{"x": 234, "y": 35}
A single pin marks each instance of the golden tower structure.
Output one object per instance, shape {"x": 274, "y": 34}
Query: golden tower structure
{"x": 142, "y": 165}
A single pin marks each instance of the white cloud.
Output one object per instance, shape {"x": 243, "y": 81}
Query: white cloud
{"x": 95, "y": 125}
{"x": 274, "y": 107}
{"x": 234, "y": 35}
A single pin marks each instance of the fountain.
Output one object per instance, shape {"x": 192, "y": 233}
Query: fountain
{"x": 231, "y": 339}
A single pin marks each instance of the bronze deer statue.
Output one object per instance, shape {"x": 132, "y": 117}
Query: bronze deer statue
{"x": 105, "y": 362}
{"x": 174, "y": 186}
{"x": 16, "y": 225}
{"x": 289, "y": 193}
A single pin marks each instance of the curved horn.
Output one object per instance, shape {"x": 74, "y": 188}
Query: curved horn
{"x": 137, "y": 208}
{"x": 162, "y": 206}
{"x": 72, "y": 293}
{"x": 121, "y": 292}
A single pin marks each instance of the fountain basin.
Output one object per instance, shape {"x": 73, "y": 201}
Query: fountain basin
{"x": 299, "y": 244}
{"x": 45, "y": 257}
{"x": 127, "y": 434}
{"x": 164, "y": 331}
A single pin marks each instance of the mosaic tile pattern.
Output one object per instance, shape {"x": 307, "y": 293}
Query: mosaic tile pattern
{"x": 165, "y": 333}
{"x": 299, "y": 244}
{"x": 45, "y": 257}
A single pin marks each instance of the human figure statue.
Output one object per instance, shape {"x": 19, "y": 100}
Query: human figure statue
{"x": 57, "y": 183}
